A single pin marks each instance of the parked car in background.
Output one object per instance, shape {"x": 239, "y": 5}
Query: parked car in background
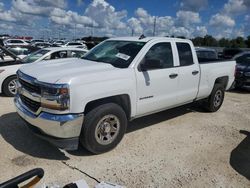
{"x": 36, "y": 40}
{"x": 229, "y": 53}
{"x": 242, "y": 73}
{"x": 58, "y": 43}
{"x": 8, "y": 69}
{"x": 90, "y": 100}
{"x": 23, "y": 51}
{"x": 75, "y": 44}
{"x": 15, "y": 42}
{"x": 19, "y": 51}
{"x": 42, "y": 44}
{"x": 206, "y": 53}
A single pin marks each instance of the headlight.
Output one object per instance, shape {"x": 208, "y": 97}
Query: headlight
{"x": 55, "y": 97}
{"x": 247, "y": 73}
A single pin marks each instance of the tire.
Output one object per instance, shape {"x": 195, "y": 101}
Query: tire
{"x": 7, "y": 84}
{"x": 215, "y": 100}
{"x": 98, "y": 123}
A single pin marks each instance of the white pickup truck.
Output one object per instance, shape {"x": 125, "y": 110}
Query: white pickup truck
{"x": 89, "y": 101}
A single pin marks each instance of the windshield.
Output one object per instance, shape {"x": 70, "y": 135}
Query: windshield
{"x": 117, "y": 53}
{"x": 34, "y": 56}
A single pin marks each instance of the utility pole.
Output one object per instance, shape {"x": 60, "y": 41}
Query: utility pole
{"x": 74, "y": 32}
{"x": 154, "y": 26}
{"x": 132, "y": 33}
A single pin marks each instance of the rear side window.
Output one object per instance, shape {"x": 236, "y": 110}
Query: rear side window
{"x": 185, "y": 54}
{"x": 161, "y": 52}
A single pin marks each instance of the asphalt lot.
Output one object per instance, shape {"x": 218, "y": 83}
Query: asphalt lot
{"x": 182, "y": 147}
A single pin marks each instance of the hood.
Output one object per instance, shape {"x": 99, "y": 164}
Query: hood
{"x": 243, "y": 67}
{"x": 64, "y": 70}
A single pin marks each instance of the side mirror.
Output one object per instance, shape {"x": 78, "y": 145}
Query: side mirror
{"x": 150, "y": 64}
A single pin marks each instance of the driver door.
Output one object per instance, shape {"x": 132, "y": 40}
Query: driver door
{"x": 156, "y": 88}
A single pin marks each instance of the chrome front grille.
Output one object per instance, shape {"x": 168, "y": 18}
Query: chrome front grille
{"x": 32, "y": 105}
{"x": 30, "y": 87}
{"x": 29, "y": 92}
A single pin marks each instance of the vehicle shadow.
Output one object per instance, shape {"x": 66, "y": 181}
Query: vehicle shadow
{"x": 240, "y": 90}
{"x": 150, "y": 120}
{"x": 14, "y": 132}
{"x": 240, "y": 156}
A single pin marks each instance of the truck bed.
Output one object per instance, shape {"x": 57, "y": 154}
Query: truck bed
{"x": 208, "y": 60}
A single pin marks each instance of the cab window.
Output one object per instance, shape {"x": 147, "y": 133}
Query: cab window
{"x": 161, "y": 53}
{"x": 185, "y": 54}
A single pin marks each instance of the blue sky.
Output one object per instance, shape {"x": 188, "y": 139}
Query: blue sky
{"x": 75, "y": 18}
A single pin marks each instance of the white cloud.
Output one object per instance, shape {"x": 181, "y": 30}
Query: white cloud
{"x": 105, "y": 15}
{"x": 234, "y": 7}
{"x": 37, "y": 7}
{"x": 30, "y": 8}
{"x": 69, "y": 18}
{"x": 219, "y": 20}
{"x": 186, "y": 18}
{"x": 201, "y": 31}
{"x": 135, "y": 25}
{"x": 182, "y": 25}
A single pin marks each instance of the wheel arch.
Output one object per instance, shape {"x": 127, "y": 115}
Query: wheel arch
{"x": 223, "y": 80}
{"x": 122, "y": 100}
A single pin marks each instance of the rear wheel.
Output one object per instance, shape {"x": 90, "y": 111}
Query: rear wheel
{"x": 10, "y": 86}
{"x": 103, "y": 128}
{"x": 215, "y": 100}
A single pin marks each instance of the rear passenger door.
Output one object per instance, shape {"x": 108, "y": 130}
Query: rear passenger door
{"x": 189, "y": 74}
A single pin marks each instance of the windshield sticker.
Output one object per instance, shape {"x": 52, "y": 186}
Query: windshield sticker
{"x": 122, "y": 56}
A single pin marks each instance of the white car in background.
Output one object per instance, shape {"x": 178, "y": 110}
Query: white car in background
{"x": 15, "y": 42}
{"x": 8, "y": 69}
{"x": 59, "y": 43}
{"x": 76, "y": 44}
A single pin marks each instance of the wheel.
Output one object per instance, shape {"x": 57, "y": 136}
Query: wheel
{"x": 10, "y": 86}
{"x": 216, "y": 98}
{"x": 103, "y": 128}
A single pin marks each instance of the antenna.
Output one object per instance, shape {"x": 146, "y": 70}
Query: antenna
{"x": 154, "y": 26}
{"x": 142, "y": 37}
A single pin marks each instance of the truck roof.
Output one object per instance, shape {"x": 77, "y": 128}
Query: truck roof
{"x": 146, "y": 39}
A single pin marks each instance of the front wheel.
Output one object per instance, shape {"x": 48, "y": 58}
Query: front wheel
{"x": 10, "y": 86}
{"x": 216, "y": 98}
{"x": 103, "y": 128}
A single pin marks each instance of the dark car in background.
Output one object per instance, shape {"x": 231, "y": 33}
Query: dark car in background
{"x": 206, "y": 53}
{"x": 229, "y": 53}
{"x": 242, "y": 73}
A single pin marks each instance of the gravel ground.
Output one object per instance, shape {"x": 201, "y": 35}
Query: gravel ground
{"x": 182, "y": 147}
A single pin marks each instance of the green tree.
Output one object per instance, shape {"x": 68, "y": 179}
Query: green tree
{"x": 247, "y": 42}
{"x": 223, "y": 42}
{"x": 198, "y": 41}
{"x": 210, "y": 41}
{"x": 238, "y": 43}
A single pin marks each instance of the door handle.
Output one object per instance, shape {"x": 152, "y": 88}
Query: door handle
{"x": 195, "y": 72}
{"x": 173, "y": 75}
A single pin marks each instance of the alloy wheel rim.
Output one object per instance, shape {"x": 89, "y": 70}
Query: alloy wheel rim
{"x": 107, "y": 129}
{"x": 12, "y": 86}
{"x": 218, "y": 98}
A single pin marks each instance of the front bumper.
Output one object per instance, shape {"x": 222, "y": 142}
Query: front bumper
{"x": 242, "y": 81}
{"x": 61, "y": 130}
